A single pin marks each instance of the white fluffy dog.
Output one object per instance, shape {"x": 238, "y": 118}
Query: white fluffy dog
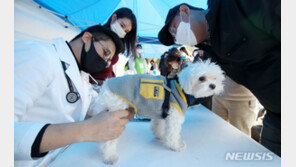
{"x": 199, "y": 79}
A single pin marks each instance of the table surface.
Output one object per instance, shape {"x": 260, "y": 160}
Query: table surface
{"x": 208, "y": 137}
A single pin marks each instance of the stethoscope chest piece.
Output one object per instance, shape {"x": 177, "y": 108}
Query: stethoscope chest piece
{"x": 72, "y": 97}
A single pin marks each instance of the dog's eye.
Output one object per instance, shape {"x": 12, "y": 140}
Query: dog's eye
{"x": 202, "y": 78}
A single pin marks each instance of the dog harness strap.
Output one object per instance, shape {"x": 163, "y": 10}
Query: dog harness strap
{"x": 187, "y": 96}
{"x": 166, "y": 103}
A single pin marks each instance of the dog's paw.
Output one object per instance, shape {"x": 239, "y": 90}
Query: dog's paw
{"x": 111, "y": 160}
{"x": 157, "y": 128}
{"x": 181, "y": 146}
{"x": 158, "y": 135}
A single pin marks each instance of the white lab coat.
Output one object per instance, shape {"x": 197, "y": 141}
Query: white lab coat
{"x": 40, "y": 89}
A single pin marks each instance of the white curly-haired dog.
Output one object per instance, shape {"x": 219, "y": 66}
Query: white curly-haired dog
{"x": 149, "y": 96}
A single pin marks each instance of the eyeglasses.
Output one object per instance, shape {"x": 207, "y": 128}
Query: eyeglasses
{"x": 106, "y": 53}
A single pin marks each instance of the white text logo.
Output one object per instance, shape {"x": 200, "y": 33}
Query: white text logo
{"x": 249, "y": 156}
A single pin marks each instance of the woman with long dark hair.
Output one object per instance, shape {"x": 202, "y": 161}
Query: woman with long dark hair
{"x": 124, "y": 23}
{"x": 173, "y": 62}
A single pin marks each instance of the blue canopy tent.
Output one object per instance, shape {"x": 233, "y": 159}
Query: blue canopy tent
{"x": 150, "y": 15}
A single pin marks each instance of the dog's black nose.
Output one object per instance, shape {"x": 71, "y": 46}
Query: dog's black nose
{"x": 212, "y": 86}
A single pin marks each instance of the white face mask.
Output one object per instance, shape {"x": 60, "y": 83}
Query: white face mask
{"x": 115, "y": 27}
{"x": 184, "y": 34}
{"x": 140, "y": 51}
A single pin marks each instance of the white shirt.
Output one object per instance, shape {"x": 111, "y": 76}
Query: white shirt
{"x": 132, "y": 65}
{"x": 40, "y": 89}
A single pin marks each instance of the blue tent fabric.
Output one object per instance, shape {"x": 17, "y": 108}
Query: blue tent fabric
{"x": 149, "y": 40}
{"x": 150, "y": 14}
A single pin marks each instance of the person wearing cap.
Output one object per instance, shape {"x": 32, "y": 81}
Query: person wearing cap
{"x": 244, "y": 38}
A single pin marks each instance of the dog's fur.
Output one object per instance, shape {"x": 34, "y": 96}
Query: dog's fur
{"x": 167, "y": 129}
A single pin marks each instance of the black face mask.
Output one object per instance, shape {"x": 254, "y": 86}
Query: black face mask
{"x": 91, "y": 61}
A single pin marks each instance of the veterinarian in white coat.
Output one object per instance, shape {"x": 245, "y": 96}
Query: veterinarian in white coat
{"x": 40, "y": 89}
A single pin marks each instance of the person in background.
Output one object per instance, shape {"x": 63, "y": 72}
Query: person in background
{"x": 157, "y": 63}
{"x": 137, "y": 64}
{"x": 173, "y": 62}
{"x": 236, "y": 105}
{"x": 148, "y": 63}
{"x": 195, "y": 53}
{"x": 162, "y": 66}
{"x": 123, "y": 22}
{"x": 185, "y": 56}
{"x": 198, "y": 54}
{"x": 152, "y": 65}
{"x": 153, "y": 68}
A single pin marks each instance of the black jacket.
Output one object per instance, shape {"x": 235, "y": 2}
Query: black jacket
{"x": 245, "y": 40}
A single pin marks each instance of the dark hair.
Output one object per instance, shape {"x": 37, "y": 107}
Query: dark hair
{"x": 164, "y": 54}
{"x": 101, "y": 33}
{"x": 139, "y": 45}
{"x": 195, "y": 50}
{"x": 152, "y": 61}
{"x": 174, "y": 52}
{"x": 183, "y": 49}
{"x": 130, "y": 39}
{"x": 173, "y": 55}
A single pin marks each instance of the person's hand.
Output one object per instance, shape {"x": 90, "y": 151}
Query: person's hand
{"x": 131, "y": 113}
{"x": 105, "y": 125}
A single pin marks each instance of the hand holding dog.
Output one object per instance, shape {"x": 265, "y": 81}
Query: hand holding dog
{"x": 106, "y": 125}
{"x": 102, "y": 127}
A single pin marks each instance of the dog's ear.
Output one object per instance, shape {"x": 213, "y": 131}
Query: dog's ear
{"x": 186, "y": 77}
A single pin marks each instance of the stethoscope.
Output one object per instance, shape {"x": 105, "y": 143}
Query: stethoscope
{"x": 71, "y": 96}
